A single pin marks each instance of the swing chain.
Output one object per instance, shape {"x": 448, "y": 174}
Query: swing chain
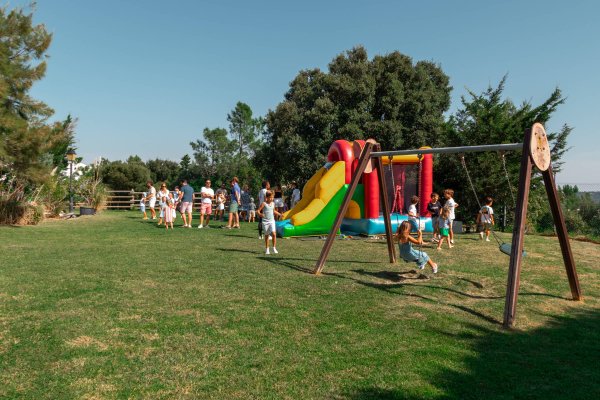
{"x": 462, "y": 158}
{"x": 419, "y": 203}
{"x": 391, "y": 168}
{"x": 502, "y": 152}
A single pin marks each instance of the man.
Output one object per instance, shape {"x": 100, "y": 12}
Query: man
{"x": 234, "y": 218}
{"x": 223, "y": 190}
{"x": 295, "y": 195}
{"x": 151, "y": 198}
{"x": 207, "y": 195}
{"x": 187, "y": 201}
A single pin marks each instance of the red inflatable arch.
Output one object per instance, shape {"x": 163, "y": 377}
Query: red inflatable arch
{"x": 341, "y": 150}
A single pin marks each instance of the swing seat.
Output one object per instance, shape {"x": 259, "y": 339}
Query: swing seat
{"x": 506, "y": 248}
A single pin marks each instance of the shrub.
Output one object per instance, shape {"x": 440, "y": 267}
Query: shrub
{"x": 53, "y": 196}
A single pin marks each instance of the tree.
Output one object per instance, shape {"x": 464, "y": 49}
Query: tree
{"x": 214, "y": 155}
{"x": 119, "y": 175}
{"x": 244, "y": 129}
{"x": 162, "y": 170}
{"x": 185, "y": 162}
{"x": 485, "y": 119}
{"x": 30, "y": 148}
{"x": 390, "y": 99}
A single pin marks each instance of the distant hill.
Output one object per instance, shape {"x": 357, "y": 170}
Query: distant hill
{"x": 594, "y": 195}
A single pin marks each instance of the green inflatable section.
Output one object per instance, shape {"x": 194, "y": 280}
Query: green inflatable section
{"x": 321, "y": 225}
{"x": 359, "y": 198}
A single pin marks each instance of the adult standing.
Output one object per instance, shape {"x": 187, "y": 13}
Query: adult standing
{"x": 187, "y": 201}
{"x": 245, "y": 198}
{"x": 162, "y": 192}
{"x": 278, "y": 199}
{"x": 151, "y": 198}
{"x": 295, "y": 195}
{"x": 207, "y": 195}
{"x": 262, "y": 194}
{"x": 222, "y": 190}
{"x": 234, "y": 201}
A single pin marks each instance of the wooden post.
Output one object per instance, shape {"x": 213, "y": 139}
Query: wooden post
{"x": 561, "y": 230}
{"x": 514, "y": 269}
{"x": 362, "y": 164}
{"x": 389, "y": 233}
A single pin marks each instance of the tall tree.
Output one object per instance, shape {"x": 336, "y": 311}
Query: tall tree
{"x": 25, "y": 138}
{"x": 487, "y": 118}
{"x": 244, "y": 129}
{"x": 214, "y": 154}
{"x": 390, "y": 99}
{"x": 185, "y": 162}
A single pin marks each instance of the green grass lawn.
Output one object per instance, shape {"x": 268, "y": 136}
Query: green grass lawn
{"x": 110, "y": 306}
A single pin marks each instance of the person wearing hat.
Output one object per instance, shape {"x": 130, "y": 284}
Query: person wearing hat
{"x": 143, "y": 205}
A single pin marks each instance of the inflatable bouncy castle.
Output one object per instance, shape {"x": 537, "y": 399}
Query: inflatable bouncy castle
{"x": 323, "y": 194}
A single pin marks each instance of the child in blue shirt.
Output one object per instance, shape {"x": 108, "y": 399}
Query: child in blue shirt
{"x": 143, "y": 205}
{"x": 251, "y": 210}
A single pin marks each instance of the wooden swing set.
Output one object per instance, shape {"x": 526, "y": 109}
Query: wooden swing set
{"x": 535, "y": 151}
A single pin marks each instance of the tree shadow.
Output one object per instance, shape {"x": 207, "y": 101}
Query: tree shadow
{"x": 557, "y": 361}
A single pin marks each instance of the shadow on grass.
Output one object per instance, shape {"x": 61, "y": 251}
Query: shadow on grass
{"x": 276, "y": 259}
{"x": 556, "y": 361}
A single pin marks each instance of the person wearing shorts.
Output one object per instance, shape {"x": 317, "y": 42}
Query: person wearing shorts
{"x": 151, "y": 198}
{"x": 234, "y": 218}
{"x": 187, "y": 201}
{"x": 206, "y": 204}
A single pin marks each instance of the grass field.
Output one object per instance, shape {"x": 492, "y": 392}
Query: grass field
{"x": 110, "y": 306}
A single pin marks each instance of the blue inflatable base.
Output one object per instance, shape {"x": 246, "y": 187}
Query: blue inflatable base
{"x": 369, "y": 227}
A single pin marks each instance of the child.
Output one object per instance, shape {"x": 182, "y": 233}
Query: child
{"x": 163, "y": 208}
{"x": 169, "y": 211}
{"x": 286, "y": 205}
{"x": 444, "y": 225}
{"x": 434, "y": 207}
{"x": 268, "y": 220}
{"x": 220, "y": 204}
{"x": 252, "y": 210}
{"x": 451, "y": 204}
{"x": 413, "y": 214}
{"x": 143, "y": 205}
{"x": 407, "y": 252}
{"x": 486, "y": 215}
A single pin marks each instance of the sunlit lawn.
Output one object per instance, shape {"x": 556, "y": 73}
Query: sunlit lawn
{"x": 111, "y": 306}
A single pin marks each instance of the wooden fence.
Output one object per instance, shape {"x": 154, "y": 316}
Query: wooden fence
{"x": 130, "y": 200}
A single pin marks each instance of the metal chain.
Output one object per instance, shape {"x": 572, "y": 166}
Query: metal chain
{"x": 391, "y": 168}
{"x": 508, "y": 179}
{"x": 419, "y": 203}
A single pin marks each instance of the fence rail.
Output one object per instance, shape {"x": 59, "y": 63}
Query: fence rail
{"x": 128, "y": 200}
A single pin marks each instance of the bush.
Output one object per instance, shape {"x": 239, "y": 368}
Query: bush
{"x": 53, "y": 195}
{"x": 19, "y": 212}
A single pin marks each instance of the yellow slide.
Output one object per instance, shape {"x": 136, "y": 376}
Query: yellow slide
{"x": 317, "y": 192}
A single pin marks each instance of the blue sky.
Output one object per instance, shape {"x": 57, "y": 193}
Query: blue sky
{"x": 146, "y": 77}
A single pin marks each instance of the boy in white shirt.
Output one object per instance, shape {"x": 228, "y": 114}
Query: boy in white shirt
{"x": 413, "y": 214}
{"x": 451, "y": 204}
{"x": 486, "y": 215}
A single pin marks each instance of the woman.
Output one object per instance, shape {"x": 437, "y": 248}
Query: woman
{"x": 245, "y": 198}
{"x": 278, "y": 199}
{"x": 163, "y": 191}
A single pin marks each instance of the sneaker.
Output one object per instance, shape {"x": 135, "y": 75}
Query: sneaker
{"x": 487, "y": 239}
{"x": 435, "y": 268}
{"x": 153, "y": 217}
{"x": 267, "y": 252}
{"x": 481, "y": 235}
{"x": 260, "y": 237}
{"x": 422, "y": 267}
{"x": 200, "y": 226}
{"x": 206, "y": 226}
{"x": 275, "y": 251}
{"x": 452, "y": 241}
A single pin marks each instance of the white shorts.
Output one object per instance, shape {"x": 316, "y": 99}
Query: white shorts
{"x": 269, "y": 227}
{"x": 152, "y": 203}
{"x": 221, "y": 206}
{"x": 278, "y": 202}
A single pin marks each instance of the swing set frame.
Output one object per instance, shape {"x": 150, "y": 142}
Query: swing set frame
{"x": 535, "y": 151}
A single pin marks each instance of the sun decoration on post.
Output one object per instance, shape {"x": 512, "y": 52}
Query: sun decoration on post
{"x": 539, "y": 147}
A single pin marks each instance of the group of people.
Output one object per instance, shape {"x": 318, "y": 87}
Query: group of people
{"x": 241, "y": 206}
{"x": 441, "y": 219}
